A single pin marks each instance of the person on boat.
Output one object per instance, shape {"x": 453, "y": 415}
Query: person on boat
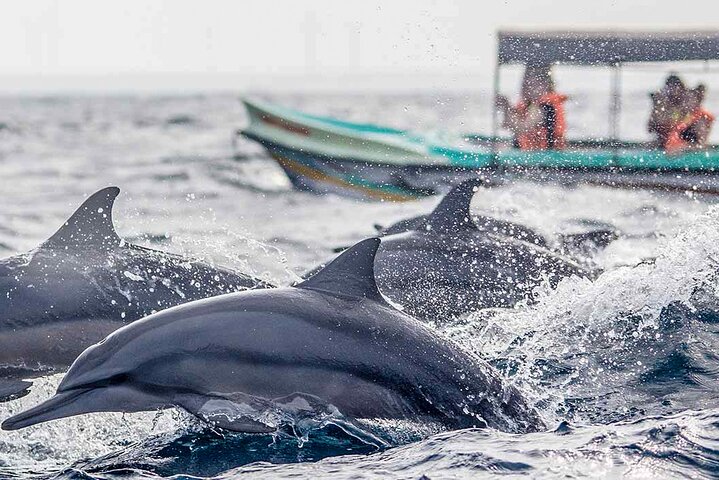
{"x": 668, "y": 108}
{"x": 692, "y": 131}
{"x": 537, "y": 121}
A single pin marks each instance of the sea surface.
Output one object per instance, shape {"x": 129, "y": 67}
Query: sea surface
{"x": 624, "y": 369}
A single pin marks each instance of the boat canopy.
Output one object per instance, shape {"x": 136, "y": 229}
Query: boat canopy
{"x": 605, "y": 47}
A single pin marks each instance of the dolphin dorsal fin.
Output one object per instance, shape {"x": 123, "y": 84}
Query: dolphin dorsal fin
{"x": 453, "y": 212}
{"x": 91, "y": 224}
{"x": 351, "y": 274}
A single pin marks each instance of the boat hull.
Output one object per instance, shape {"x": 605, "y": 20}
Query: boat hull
{"x": 363, "y": 180}
{"x": 356, "y": 178}
{"x": 324, "y": 155}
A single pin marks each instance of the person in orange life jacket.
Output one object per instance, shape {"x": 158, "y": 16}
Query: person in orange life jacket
{"x": 537, "y": 121}
{"x": 693, "y": 129}
{"x": 668, "y": 109}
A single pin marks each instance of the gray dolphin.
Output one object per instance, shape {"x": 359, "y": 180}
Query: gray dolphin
{"x": 83, "y": 283}
{"x": 458, "y": 200}
{"x": 330, "y": 343}
{"x": 444, "y": 264}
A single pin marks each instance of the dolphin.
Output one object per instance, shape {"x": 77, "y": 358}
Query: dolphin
{"x": 329, "y": 344}
{"x": 459, "y": 198}
{"x": 444, "y": 264}
{"x": 83, "y": 283}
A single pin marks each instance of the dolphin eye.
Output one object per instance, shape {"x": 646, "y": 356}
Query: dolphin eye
{"x": 117, "y": 379}
{"x": 107, "y": 382}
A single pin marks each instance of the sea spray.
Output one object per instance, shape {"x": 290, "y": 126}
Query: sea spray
{"x": 589, "y": 339}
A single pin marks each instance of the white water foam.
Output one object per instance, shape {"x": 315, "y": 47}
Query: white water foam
{"x": 619, "y": 312}
{"x": 56, "y": 444}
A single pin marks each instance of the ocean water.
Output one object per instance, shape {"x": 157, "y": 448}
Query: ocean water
{"x": 624, "y": 369}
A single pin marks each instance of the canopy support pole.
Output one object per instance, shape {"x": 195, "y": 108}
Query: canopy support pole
{"x": 495, "y": 113}
{"x": 615, "y": 105}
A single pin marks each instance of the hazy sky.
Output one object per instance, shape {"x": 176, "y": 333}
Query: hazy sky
{"x": 98, "y": 44}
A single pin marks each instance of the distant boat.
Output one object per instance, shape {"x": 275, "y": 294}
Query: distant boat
{"x": 328, "y": 155}
{"x": 325, "y": 155}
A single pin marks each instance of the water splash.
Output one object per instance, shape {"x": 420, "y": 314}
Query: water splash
{"x": 588, "y": 341}
{"x": 59, "y": 443}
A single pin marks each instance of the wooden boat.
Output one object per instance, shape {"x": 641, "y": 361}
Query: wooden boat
{"x": 328, "y": 155}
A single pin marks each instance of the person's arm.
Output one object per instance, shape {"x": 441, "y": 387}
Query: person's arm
{"x": 550, "y": 125}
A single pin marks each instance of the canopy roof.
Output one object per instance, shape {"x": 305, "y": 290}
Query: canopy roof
{"x": 605, "y": 47}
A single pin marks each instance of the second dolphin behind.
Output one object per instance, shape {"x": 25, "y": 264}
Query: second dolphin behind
{"x": 83, "y": 283}
{"x": 448, "y": 263}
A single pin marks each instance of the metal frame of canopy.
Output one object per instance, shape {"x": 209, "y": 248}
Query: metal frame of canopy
{"x": 600, "y": 48}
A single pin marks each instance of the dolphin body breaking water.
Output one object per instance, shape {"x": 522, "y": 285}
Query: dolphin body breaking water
{"x": 85, "y": 282}
{"x": 447, "y": 263}
{"x": 457, "y": 202}
{"x": 331, "y": 341}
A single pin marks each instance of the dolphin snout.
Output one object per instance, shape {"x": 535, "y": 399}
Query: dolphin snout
{"x": 121, "y": 397}
{"x": 61, "y": 405}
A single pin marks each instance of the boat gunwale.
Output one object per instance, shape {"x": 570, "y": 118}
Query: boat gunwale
{"x": 509, "y": 167}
